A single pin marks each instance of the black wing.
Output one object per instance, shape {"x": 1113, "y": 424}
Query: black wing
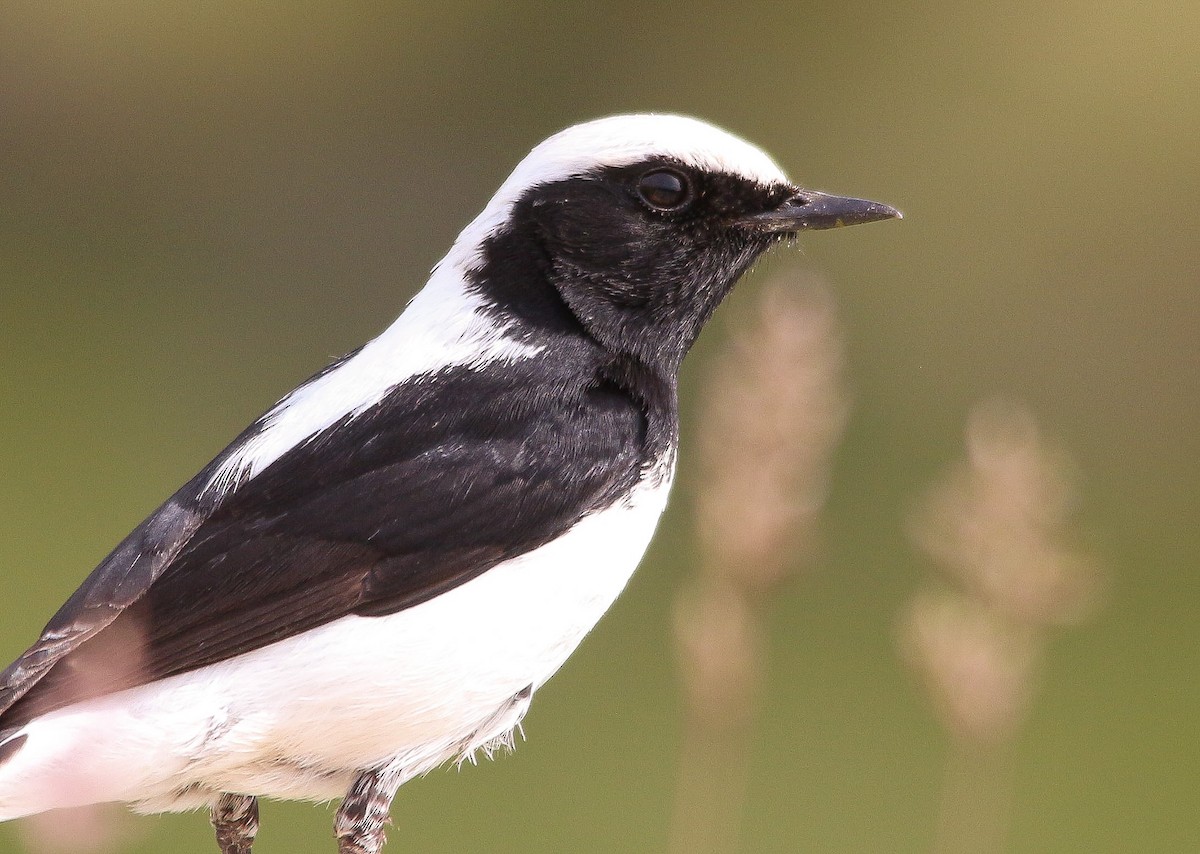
{"x": 448, "y": 476}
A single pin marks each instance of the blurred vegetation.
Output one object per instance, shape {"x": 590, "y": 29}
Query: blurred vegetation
{"x": 203, "y": 203}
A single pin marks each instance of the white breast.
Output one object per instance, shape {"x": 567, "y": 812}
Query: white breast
{"x": 295, "y": 719}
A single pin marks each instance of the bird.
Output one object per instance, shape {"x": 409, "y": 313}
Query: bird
{"x": 377, "y": 575}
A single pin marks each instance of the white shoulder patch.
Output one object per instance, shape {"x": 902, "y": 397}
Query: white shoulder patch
{"x": 445, "y": 325}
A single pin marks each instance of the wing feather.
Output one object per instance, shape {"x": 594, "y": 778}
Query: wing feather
{"x": 448, "y": 476}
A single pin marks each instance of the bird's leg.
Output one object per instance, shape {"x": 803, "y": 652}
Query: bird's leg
{"x": 235, "y": 818}
{"x": 364, "y": 811}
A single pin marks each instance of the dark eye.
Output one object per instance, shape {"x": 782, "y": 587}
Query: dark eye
{"x": 664, "y": 189}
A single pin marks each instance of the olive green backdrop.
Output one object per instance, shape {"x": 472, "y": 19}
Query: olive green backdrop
{"x": 200, "y": 204}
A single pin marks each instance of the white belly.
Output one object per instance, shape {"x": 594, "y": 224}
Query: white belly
{"x": 296, "y": 719}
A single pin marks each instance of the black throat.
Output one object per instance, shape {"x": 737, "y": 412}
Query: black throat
{"x": 517, "y": 280}
{"x": 581, "y": 266}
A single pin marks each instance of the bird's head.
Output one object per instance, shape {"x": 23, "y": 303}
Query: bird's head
{"x": 640, "y": 225}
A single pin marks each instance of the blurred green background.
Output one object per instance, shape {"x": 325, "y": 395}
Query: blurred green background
{"x": 200, "y": 204}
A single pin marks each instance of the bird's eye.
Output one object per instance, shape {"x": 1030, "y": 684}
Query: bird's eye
{"x": 664, "y": 189}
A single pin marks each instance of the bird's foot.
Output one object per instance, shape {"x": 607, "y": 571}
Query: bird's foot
{"x": 235, "y": 818}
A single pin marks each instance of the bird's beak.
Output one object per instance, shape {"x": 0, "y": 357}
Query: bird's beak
{"x": 808, "y": 210}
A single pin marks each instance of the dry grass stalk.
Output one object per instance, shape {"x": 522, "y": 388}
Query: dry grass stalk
{"x": 998, "y": 528}
{"x": 999, "y": 523}
{"x": 774, "y": 414}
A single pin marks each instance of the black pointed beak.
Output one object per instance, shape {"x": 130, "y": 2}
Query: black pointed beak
{"x": 810, "y": 210}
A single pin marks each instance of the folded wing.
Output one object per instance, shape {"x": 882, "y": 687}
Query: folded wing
{"x": 378, "y": 513}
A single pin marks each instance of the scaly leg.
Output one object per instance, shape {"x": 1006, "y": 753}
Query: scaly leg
{"x": 364, "y": 811}
{"x": 235, "y": 818}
